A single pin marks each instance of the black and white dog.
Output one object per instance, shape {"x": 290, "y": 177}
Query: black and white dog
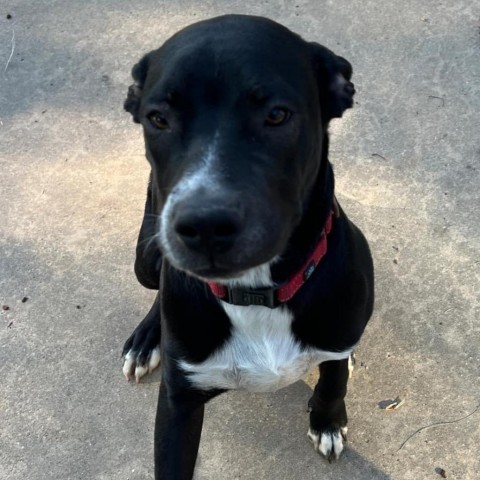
{"x": 260, "y": 273}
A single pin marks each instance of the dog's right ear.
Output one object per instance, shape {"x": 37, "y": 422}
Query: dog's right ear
{"x": 333, "y": 72}
{"x": 139, "y": 74}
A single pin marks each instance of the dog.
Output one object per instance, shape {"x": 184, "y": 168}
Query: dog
{"x": 260, "y": 274}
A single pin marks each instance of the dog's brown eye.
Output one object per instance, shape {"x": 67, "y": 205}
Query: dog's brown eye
{"x": 158, "y": 121}
{"x": 277, "y": 116}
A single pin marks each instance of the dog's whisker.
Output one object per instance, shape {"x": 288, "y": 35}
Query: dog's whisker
{"x": 148, "y": 241}
{"x": 152, "y": 239}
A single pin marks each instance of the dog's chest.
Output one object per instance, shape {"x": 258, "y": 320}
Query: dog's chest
{"x": 261, "y": 355}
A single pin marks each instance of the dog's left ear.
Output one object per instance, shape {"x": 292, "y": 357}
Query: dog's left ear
{"x": 139, "y": 74}
{"x": 333, "y": 78}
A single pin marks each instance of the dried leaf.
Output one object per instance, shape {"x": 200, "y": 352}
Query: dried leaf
{"x": 390, "y": 405}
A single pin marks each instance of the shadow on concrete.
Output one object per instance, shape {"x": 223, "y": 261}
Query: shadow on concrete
{"x": 263, "y": 436}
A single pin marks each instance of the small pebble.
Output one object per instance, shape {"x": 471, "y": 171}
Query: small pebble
{"x": 441, "y": 472}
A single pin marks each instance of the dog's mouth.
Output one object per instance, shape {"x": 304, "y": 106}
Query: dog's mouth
{"x": 218, "y": 274}
{"x": 215, "y": 274}
{"x": 222, "y": 270}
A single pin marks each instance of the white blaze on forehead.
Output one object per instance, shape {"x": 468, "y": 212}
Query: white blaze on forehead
{"x": 212, "y": 151}
{"x": 204, "y": 176}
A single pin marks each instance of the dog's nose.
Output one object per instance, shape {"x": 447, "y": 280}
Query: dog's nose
{"x": 211, "y": 231}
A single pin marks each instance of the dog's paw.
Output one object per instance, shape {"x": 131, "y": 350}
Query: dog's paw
{"x": 137, "y": 364}
{"x": 329, "y": 443}
{"x": 141, "y": 352}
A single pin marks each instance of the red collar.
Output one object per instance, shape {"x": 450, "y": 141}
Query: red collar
{"x": 273, "y": 297}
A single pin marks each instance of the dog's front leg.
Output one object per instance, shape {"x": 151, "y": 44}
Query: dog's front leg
{"x": 178, "y": 427}
{"x": 328, "y": 414}
{"x": 148, "y": 260}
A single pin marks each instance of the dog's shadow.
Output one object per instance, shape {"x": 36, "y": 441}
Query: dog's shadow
{"x": 263, "y": 436}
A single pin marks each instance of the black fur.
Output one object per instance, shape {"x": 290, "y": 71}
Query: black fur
{"x": 222, "y": 77}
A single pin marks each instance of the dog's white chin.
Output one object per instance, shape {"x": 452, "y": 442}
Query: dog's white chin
{"x": 255, "y": 277}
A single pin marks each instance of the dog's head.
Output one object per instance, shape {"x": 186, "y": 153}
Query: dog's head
{"x": 234, "y": 111}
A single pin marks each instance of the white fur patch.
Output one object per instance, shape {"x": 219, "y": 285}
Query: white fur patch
{"x": 154, "y": 359}
{"x": 205, "y": 176}
{"x": 261, "y": 356}
{"x": 130, "y": 365}
{"x": 256, "y": 277}
{"x": 351, "y": 364}
{"x": 329, "y": 444}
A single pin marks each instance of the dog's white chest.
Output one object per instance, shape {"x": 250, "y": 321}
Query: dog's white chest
{"x": 261, "y": 356}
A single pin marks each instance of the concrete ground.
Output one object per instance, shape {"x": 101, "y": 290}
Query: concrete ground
{"x": 73, "y": 179}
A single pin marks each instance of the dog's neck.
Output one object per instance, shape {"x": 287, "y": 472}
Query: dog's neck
{"x": 306, "y": 235}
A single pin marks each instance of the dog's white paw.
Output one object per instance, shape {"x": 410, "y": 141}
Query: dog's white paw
{"x": 328, "y": 443}
{"x": 135, "y": 364}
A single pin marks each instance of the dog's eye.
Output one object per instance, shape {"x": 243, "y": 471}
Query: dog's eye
{"x": 277, "y": 116}
{"x": 158, "y": 120}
